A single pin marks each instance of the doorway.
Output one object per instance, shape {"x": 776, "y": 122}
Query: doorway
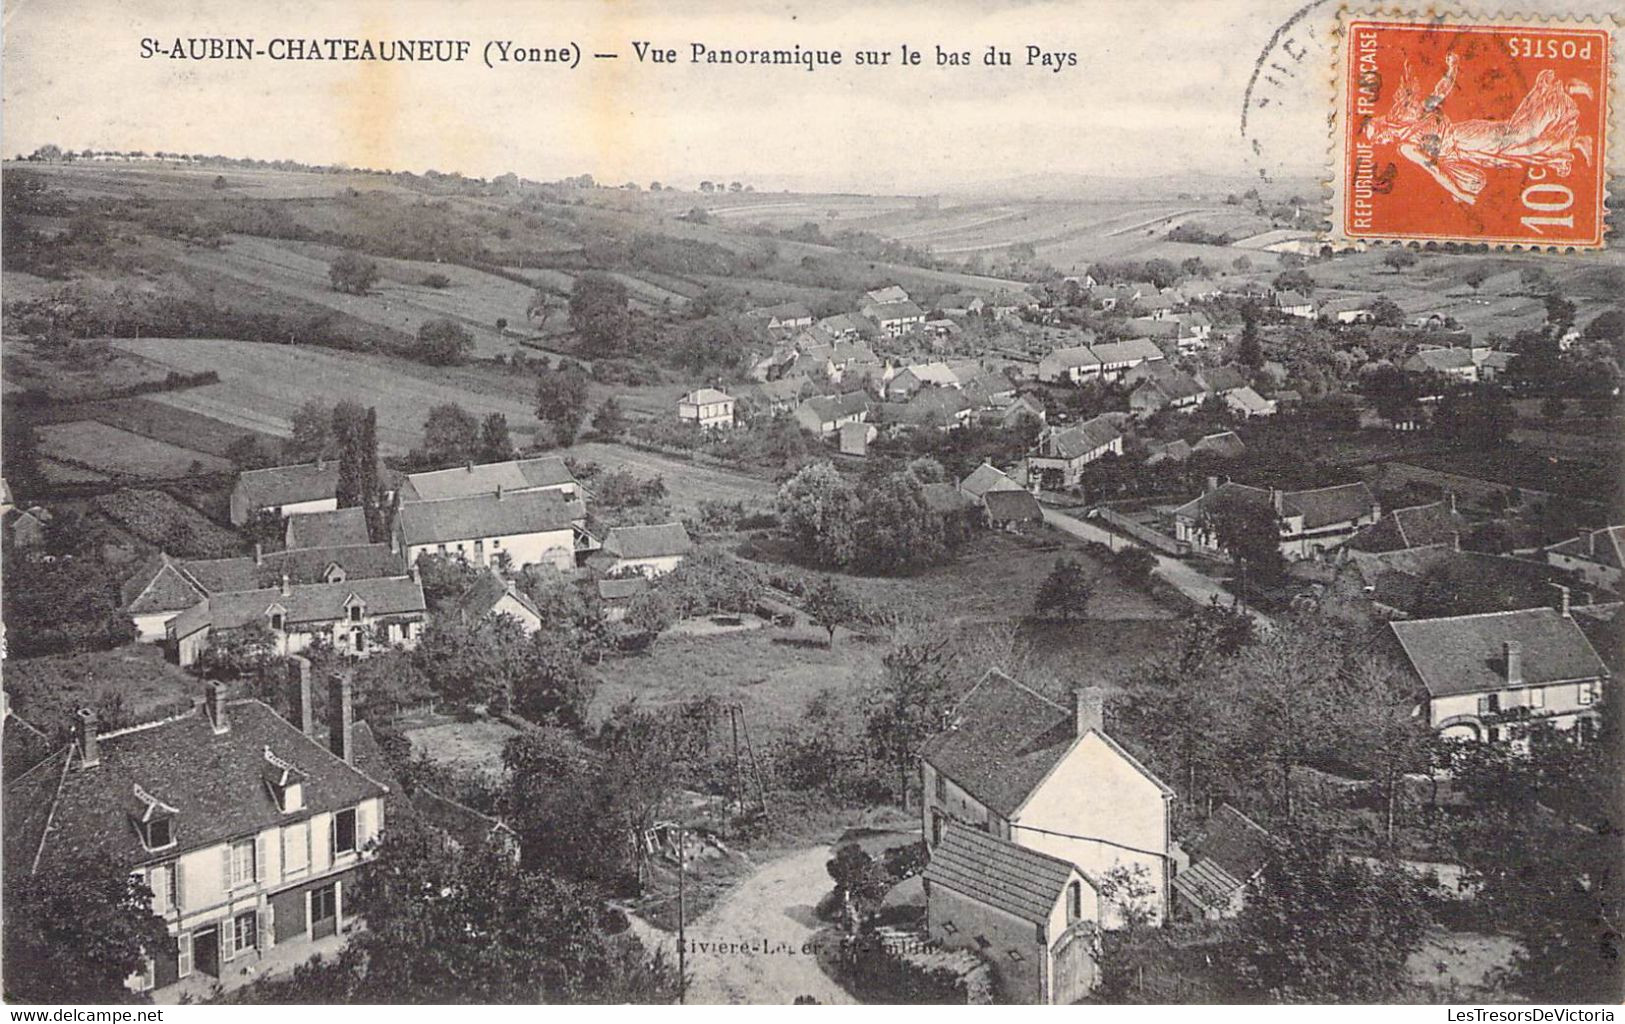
{"x": 206, "y": 951}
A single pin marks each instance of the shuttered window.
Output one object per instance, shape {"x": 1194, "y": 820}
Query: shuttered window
{"x": 242, "y": 863}
{"x": 183, "y": 957}
{"x": 296, "y": 848}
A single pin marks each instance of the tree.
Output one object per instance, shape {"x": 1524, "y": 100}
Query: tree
{"x": 819, "y": 511}
{"x": 1399, "y": 258}
{"x": 906, "y": 707}
{"x": 443, "y": 342}
{"x": 1537, "y": 360}
{"x": 899, "y": 530}
{"x": 1559, "y": 312}
{"x": 561, "y": 401}
{"x": 1608, "y": 326}
{"x": 349, "y": 422}
{"x": 1536, "y": 280}
{"x": 1322, "y": 928}
{"x": 830, "y": 605}
{"x": 1250, "y": 350}
{"x": 1248, "y": 529}
{"x": 1065, "y": 592}
{"x": 609, "y": 421}
{"x": 494, "y": 444}
{"x": 1477, "y": 274}
{"x": 600, "y": 314}
{"x": 861, "y": 883}
{"x": 1294, "y": 281}
{"x": 1385, "y": 312}
{"x": 450, "y": 435}
{"x": 1481, "y": 416}
{"x": 311, "y": 423}
{"x": 352, "y": 273}
{"x": 75, "y": 930}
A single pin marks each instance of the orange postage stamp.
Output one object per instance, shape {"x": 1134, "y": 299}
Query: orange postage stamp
{"x": 1455, "y": 130}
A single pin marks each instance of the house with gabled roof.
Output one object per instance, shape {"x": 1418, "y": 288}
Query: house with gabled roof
{"x": 1074, "y": 363}
{"x": 708, "y": 408}
{"x": 1597, "y": 556}
{"x": 1062, "y": 452}
{"x": 782, "y": 317}
{"x": 461, "y": 827}
{"x": 1033, "y": 917}
{"x": 163, "y": 587}
{"x": 249, "y": 830}
{"x": 285, "y": 490}
{"x": 356, "y": 617}
{"x": 492, "y": 595}
{"x": 1225, "y": 445}
{"x": 649, "y": 550}
{"x": 824, "y": 414}
{"x": 1228, "y": 856}
{"x": 1117, "y": 357}
{"x": 1158, "y": 386}
{"x": 1247, "y": 403}
{"x": 1494, "y": 677}
{"x": 987, "y": 477}
{"x": 532, "y": 527}
{"x": 1311, "y": 522}
{"x": 344, "y": 527}
{"x": 894, "y": 319}
{"x": 1021, "y": 767}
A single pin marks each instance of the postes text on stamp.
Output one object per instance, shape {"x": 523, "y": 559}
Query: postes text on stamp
{"x": 1461, "y": 131}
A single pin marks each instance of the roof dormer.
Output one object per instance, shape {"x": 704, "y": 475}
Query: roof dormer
{"x": 276, "y": 617}
{"x": 285, "y": 782}
{"x": 334, "y": 573}
{"x": 355, "y": 609}
{"x": 154, "y": 820}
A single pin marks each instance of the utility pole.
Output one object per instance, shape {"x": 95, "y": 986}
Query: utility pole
{"x": 682, "y": 942}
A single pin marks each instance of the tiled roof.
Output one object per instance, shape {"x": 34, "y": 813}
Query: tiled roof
{"x": 1441, "y": 359}
{"x": 622, "y": 589}
{"x": 468, "y": 827}
{"x": 1072, "y": 355}
{"x": 1225, "y": 445}
{"x": 1076, "y": 441}
{"x": 1325, "y": 506}
{"x": 1235, "y": 842}
{"x": 215, "y": 783}
{"x": 658, "y": 541}
{"x": 487, "y": 515}
{"x": 1002, "y": 739}
{"x": 1466, "y": 654}
{"x": 309, "y": 603}
{"x": 1605, "y": 546}
{"x": 342, "y": 527}
{"x": 1220, "y": 379}
{"x": 1017, "y": 506}
{"x": 889, "y": 293}
{"x": 783, "y": 311}
{"x": 464, "y": 481}
{"x": 30, "y": 798}
{"x": 829, "y": 408}
{"x": 887, "y": 311}
{"x": 1127, "y": 351}
{"x": 999, "y": 873}
{"x": 159, "y": 585}
{"x": 705, "y": 396}
{"x": 985, "y": 478}
{"x": 1413, "y": 527}
{"x": 1250, "y": 400}
{"x": 285, "y": 485}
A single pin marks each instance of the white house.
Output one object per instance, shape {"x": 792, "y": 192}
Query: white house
{"x": 1021, "y": 767}
{"x": 1075, "y": 363}
{"x": 1596, "y": 555}
{"x": 1058, "y": 461}
{"x": 250, "y": 831}
{"x": 356, "y": 617}
{"x": 649, "y": 550}
{"x": 494, "y": 595}
{"x": 531, "y": 528}
{"x": 1310, "y": 522}
{"x": 707, "y": 408}
{"x": 1492, "y": 677}
{"x": 285, "y": 490}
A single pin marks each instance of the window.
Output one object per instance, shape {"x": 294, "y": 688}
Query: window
{"x": 160, "y": 833}
{"x": 936, "y": 827}
{"x": 245, "y": 928}
{"x": 149, "y": 974}
{"x": 1014, "y": 955}
{"x": 442, "y": 548}
{"x": 161, "y": 880}
{"x": 1489, "y": 704}
{"x": 496, "y": 542}
{"x": 1589, "y": 692}
{"x": 942, "y": 788}
{"x": 242, "y": 863}
{"x": 324, "y": 903}
{"x": 355, "y": 613}
{"x": 1537, "y": 696}
{"x": 344, "y": 831}
{"x": 296, "y": 847}
{"x": 1074, "y": 901}
{"x": 276, "y": 621}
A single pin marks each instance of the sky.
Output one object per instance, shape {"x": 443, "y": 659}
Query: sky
{"x": 1149, "y": 94}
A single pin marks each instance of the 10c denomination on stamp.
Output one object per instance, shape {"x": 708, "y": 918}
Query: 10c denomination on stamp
{"x": 1455, "y": 130}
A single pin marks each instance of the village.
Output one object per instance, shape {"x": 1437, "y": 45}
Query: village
{"x": 1005, "y": 628}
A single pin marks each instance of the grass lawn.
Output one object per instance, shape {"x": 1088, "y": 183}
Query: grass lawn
{"x": 477, "y": 744}
{"x": 109, "y": 449}
{"x": 125, "y": 686}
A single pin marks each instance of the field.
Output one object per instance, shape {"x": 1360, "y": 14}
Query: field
{"x": 125, "y": 686}
{"x": 476, "y": 745}
{"x": 107, "y": 449}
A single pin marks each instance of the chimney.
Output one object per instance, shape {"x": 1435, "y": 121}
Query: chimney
{"x": 84, "y": 733}
{"x": 259, "y": 553}
{"x": 321, "y": 463}
{"x": 1278, "y": 500}
{"x": 1563, "y": 600}
{"x": 469, "y": 465}
{"x": 304, "y": 711}
{"x": 1089, "y": 707}
{"x": 417, "y": 574}
{"x": 1212, "y": 484}
{"x": 499, "y": 492}
{"x": 215, "y": 704}
{"x": 287, "y": 588}
{"x": 339, "y": 717}
{"x": 1514, "y": 658}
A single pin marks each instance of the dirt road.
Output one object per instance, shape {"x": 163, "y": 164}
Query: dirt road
{"x": 752, "y": 946}
{"x": 1191, "y": 583}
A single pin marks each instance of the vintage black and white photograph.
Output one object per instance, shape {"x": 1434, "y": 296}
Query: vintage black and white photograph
{"x": 606, "y": 501}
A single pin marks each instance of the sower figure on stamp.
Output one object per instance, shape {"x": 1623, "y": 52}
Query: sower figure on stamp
{"x": 1541, "y": 132}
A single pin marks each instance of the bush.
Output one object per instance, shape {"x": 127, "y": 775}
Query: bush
{"x": 436, "y": 280}
{"x": 352, "y": 273}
